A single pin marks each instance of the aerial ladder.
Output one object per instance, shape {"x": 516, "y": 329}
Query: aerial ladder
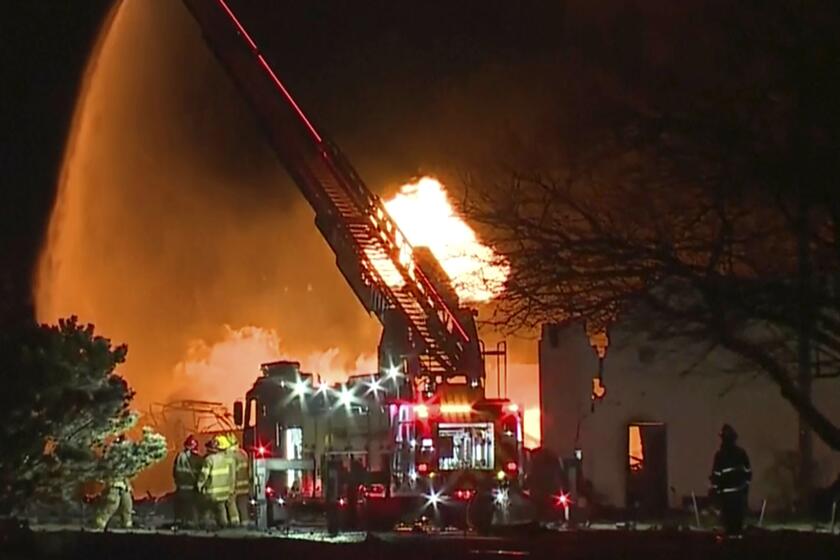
{"x": 426, "y": 332}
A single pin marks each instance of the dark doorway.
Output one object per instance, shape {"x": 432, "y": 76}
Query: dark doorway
{"x": 647, "y": 468}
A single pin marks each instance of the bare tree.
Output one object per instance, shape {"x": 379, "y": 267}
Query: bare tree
{"x": 708, "y": 211}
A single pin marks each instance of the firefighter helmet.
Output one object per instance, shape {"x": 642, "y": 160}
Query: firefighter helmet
{"x": 728, "y": 433}
{"x": 191, "y": 444}
{"x": 223, "y": 442}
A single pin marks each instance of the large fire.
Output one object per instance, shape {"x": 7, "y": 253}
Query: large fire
{"x": 224, "y": 369}
{"x": 473, "y": 268}
{"x": 163, "y": 256}
{"x": 424, "y": 214}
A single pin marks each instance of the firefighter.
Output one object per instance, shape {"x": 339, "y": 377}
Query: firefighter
{"x": 185, "y": 471}
{"x": 229, "y": 447}
{"x": 332, "y": 493}
{"x": 481, "y": 508}
{"x": 215, "y": 482}
{"x": 355, "y": 478}
{"x": 242, "y": 481}
{"x": 117, "y": 500}
{"x": 731, "y": 476}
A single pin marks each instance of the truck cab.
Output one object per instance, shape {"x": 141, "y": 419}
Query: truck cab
{"x": 416, "y": 452}
{"x": 293, "y": 426}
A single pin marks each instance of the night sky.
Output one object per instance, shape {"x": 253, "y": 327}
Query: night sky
{"x": 45, "y": 48}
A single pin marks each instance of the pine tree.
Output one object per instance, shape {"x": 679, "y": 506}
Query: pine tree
{"x": 125, "y": 459}
{"x": 62, "y": 411}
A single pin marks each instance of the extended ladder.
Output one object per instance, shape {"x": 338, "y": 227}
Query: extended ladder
{"x": 372, "y": 253}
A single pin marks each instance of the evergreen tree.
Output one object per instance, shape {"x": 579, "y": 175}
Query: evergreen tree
{"x": 61, "y": 412}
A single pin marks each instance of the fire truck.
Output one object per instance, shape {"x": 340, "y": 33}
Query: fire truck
{"x": 421, "y": 428}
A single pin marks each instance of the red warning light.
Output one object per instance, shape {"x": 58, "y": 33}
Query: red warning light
{"x": 463, "y": 494}
{"x": 510, "y": 466}
{"x": 422, "y": 467}
{"x": 562, "y": 500}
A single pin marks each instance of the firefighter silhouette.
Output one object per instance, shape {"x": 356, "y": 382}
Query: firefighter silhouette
{"x": 332, "y": 493}
{"x": 355, "y": 478}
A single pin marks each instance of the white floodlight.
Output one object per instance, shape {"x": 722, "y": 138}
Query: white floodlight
{"x": 374, "y": 386}
{"x": 345, "y": 396}
{"x": 393, "y": 372}
{"x": 300, "y": 388}
{"x": 433, "y": 498}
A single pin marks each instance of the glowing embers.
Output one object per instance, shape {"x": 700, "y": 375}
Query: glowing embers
{"x": 423, "y": 213}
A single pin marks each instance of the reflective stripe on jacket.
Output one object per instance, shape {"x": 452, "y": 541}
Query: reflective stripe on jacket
{"x": 242, "y": 485}
{"x": 731, "y": 471}
{"x": 121, "y": 484}
{"x": 217, "y": 476}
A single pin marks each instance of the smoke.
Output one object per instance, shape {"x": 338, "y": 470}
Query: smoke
{"x": 220, "y": 368}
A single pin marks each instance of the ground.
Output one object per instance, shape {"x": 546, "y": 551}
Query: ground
{"x": 58, "y": 542}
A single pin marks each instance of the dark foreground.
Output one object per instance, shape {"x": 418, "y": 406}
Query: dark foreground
{"x": 600, "y": 545}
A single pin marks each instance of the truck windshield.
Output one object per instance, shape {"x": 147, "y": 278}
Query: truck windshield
{"x": 467, "y": 446}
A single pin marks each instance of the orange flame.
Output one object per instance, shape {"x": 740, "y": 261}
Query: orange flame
{"x": 635, "y": 448}
{"x": 424, "y": 214}
{"x": 533, "y": 431}
{"x": 225, "y": 370}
